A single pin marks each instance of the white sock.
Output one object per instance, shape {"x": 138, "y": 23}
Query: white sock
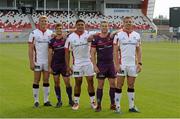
{"x": 46, "y": 94}
{"x": 76, "y": 100}
{"x": 131, "y": 99}
{"x": 92, "y": 99}
{"x": 118, "y": 99}
{"x": 36, "y": 94}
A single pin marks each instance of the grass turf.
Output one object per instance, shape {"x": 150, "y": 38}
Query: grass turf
{"x": 157, "y": 87}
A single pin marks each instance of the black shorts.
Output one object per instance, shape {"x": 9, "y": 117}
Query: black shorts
{"x": 59, "y": 69}
{"x": 106, "y": 71}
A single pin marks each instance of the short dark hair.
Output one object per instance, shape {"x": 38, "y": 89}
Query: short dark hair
{"x": 58, "y": 25}
{"x": 104, "y": 22}
{"x": 80, "y": 20}
{"x": 127, "y": 17}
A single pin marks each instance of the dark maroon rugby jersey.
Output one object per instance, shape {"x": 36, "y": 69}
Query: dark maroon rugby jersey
{"x": 104, "y": 48}
{"x": 57, "y": 46}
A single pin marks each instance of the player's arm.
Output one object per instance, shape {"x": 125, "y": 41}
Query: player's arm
{"x": 90, "y": 38}
{"x": 93, "y": 59}
{"x": 67, "y": 57}
{"x": 116, "y": 54}
{"x": 50, "y": 53}
{"x": 31, "y": 46}
{"x": 139, "y": 57}
{"x": 31, "y": 55}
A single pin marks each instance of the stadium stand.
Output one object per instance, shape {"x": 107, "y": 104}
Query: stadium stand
{"x": 13, "y": 20}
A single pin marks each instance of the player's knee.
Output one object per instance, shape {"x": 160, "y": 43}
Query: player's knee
{"x": 100, "y": 86}
{"x": 57, "y": 84}
{"x": 46, "y": 81}
{"x": 112, "y": 84}
{"x": 121, "y": 84}
{"x": 36, "y": 81}
{"x": 67, "y": 84}
{"x": 130, "y": 85}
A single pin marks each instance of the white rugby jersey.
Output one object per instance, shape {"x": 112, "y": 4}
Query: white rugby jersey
{"x": 127, "y": 43}
{"x": 40, "y": 40}
{"x": 80, "y": 48}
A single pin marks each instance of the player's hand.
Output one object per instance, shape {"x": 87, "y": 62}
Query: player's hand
{"x": 50, "y": 70}
{"x": 65, "y": 35}
{"x": 139, "y": 68}
{"x": 32, "y": 65}
{"x": 96, "y": 69}
{"x": 69, "y": 71}
{"x": 117, "y": 68}
{"x": 53, "y": 35}
{"x": 91, "y": 38}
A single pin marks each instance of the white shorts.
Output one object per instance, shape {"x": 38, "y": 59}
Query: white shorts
{"x": 128, "y": 71}
{"x": 85, "y": 70}
{"x": 41, "y": 67}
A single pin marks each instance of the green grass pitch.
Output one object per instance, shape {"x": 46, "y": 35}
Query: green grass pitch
{"x": 157, "y": 87}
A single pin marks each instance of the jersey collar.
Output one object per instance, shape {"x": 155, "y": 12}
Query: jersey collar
{"x": 79, "y": 33}
{"x": 128, "y": 32}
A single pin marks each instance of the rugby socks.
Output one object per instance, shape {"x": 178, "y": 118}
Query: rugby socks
{"x": 58, "y": 93}
{"x": 69, "y": 92}
{"x": 112, "y": 95}
{"x": 92, "y": 97}
{"x": 99, "y": 94}
{"x": 118, "y": 94}
{"x": 76, "y": 98}
{"x": 46, "y": 92}
{"x": 36, "y": 92}
{"x": 131, "y": 95}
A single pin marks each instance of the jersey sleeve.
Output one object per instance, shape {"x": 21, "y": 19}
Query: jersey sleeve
{"x": 50, "y": 44}
{"x": 31, "y": 37}
{"x": 138, "y": 40}
{"x": 67, "y": 45}
{"x": 116, "y": 40}
{"x": 94, "y": 43}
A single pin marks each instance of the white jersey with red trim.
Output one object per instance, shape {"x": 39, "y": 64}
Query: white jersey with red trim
{"x": 80, "y": 48}
{"x": 127, "y": 43}
{"x": 40, "y": 40}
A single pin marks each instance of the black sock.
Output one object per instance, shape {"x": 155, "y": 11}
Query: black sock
{"x": 112, "y": 95}
{"x": 99, "y": 95}
{"x": 92, "y": 94}
{"x": 58, "y": 92}
{"x": 69, "y": 92}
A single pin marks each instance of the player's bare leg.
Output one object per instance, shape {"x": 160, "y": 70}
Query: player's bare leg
{"x": 68, "y": 90}
{"x": 91, "y": 91}
{"x": 46, "y": 88}
{"x": 37, "y": 77}
{"x": 77, "y": 92}
{"x": 131, "y": 94}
